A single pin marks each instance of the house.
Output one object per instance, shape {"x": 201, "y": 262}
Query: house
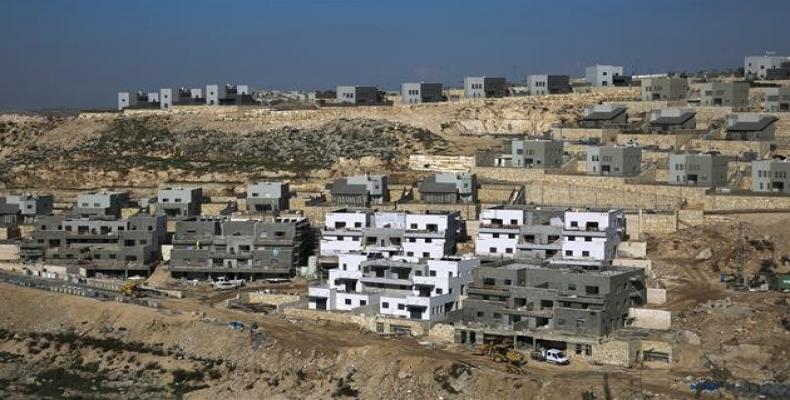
{"x": 603, "y": 115}
{"x": 671, "y": 119}
{"x": 483, "y": 87}
{"x": 777, "y": 99}
{"x": 138, "y": 100}
{"x": 592, "y": 235}
{"x": 178, "y": 202}
{"x": 121, "y": 247}
{"x": 416, "y": 93}
{"x": 359, "y": 95}
{"x": 231, "y": 95}
{"x": 523, "y": 153}
{"x": 10, "y": 215}
{"x": 184, "y": 97}
{"x": 549, "y": 306}
{"x": 756, "y": 67}
{"x": 263, "y": 196}
{"x": 727, "y": 94}
{"x": 31, "y": 206}
{"x": 449, "y": 188}
{"x": 615, "y": 160}
{"x": 539, "y": 85}
{"x": 771, "y": 176}
{"x": 698, "y": 169}
{"x": 360, "y": 190}
{"x": 397, "y": 288}
{"x": 508, "y": 231}
{"x": 102, "y": 203}
{"x": 603, "y": 75}
{"x": 664, "y": 89}
{"x": 246, "y": 249}
{"x": 428, "y": 235}
{"x": 750, "y": 126}
{"x": 779, "y": 73}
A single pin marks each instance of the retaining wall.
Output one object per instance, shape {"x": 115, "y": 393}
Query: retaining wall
{"x": 650, "y": 319}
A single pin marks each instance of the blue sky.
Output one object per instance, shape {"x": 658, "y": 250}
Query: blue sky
{"x": 79, "y": 53}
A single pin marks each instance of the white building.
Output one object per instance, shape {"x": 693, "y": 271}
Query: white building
{"x": 397, "y": 287}
{"x": 429, "y": 235}
{"x": 756, "y": 67}
{"x": 510, "y": 232}
{"x": 592, "y": 235}
{"x": 601, "y": 75}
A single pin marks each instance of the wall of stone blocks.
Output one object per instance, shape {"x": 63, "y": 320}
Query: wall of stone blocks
{"x": 666, "y": 142}
{"x": 604, "y": 136}
{"x": 650, "y": 319}
{"x": 9, "y": 252}
{"x": 367, "y": 323}
{"x": 425, "y": 162}
{"x": 730, "y": 147}
{"x": 617, "y": 352}
{"x": 656, "y": 296}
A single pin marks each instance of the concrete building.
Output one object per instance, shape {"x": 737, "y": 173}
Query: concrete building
{"x": 359, "y": 95}
{"x": 482, "y": 87}
{"x": 103, "y": 203}
{"x": 360, "y": 190}
{"x": 603, "y": 116}
{"x": 592, "y": 236}
{"x": 780, "y": 73}
{"x": 726, "y": 94}
{"x": 178, "y": 202}
{"x": 602, "y": 75}
{"x": 166, "y": 98}
{"x": 771, "y": 176}
{"x": 756, "y": 67}
{"x": 777, "y": 99}
{"x": 117, "y": 247}
{"x": 395, "y": 288}
{"x": 530, "y": 153}
{"x": 230, "y": 95}
{"x": 263, "y": 196}
{"x": 664, "y": 89}
{"x": 429, "y": 235}
{"x": 615, "y": 160}
{"x": 750, "y": 126}
{"x": 138, "y": 100}
{"x": 561, "y": 307}
{"x": 698, "y": 169}
{"x": 10, "y": 215}
{"x": 240, "y": 249}
{"x": 519, "y": 232}
{"x": 416, "y": 93}
{"x": 31, "y": 206}
{"x": 449, "y": 188}
{"x": 671, "y": 119}
{"x": 539, "y": 85}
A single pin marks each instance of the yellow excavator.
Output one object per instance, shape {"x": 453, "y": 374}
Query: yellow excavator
{"x": 130, "y": 288}
{"x": 504, "y": 353}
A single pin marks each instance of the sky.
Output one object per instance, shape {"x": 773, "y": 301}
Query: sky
{"x": 80, "y": 53}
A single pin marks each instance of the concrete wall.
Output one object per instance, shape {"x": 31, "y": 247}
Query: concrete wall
{"x": 423, "y": 162}
{"x": 632, "y": 249}
{"x": 730, "y": 147}
{"x": 571, "y": 134}
{"x": 267, "y": 298}
{"x": 364, "y": 322}
{"x": 656, "y": 296}
{"x": 9, "y": 252}
{"x": 650, "y": 319}
{"x": 615, "y": 352}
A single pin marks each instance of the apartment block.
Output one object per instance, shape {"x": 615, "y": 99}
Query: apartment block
{"x": 779, "y": 73}
{"x": 590, "y": 235}
{"x": 539, "y": 85}
{"x": 417, "y": 93}
{"x": 549, "y": 307}
{"x": 664, "y": 88}
{"x": 360, "y": 190}
{"x": 178, "y": 202}
{"x": 449, "y": 188}
{"x": 671, "y": 119}
{"x": 31, "y": 206}
{"x": 750, "y": 126}
{"x": 249, "y": 249}
{"x": 395, "y": 287}
{"x": 118, "y": 247}
{"x": 359, "y": 95}
{"x": 519, "y": 232}
{"x": 138, "y": 100}
{"x": 771, "y": 176}
{"x": 756, "y": 67}
{"x": 10, "y": 215}
{"x": 230, "y": 95}
{"x": 603, "y": 116}
{"x": 483, "y": 87}
{"x": 523, "y": 153}
{"x": 428, "y": 235}
{"x": 698, "y": 169}
{"x": 602, "y": 75}
{"x": 264, "y": 196}
{"x": 726, "y": 94}
{"x": 777, "y": 99}
{"x": 614, "y": 160}
{"x": 102, "y": 203}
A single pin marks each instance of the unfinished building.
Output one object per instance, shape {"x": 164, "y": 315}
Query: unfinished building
{"x": 240, "y": 249}
{"x": 771, "y": 176}
{"x": 395, "y": 287}
{"x": 698, "y": 169}
{"x": 539, "y": 85}
{"x": 724, "y": 94}
{"x": 604, "y": 75}
{"x": 178, "y": 202}
{"x": 750, "y": 126}
{"x": 508, "y": 231}
{"x": 359, "y": 95}
{"x": 603, "y": 116}
{"x": 418, "y": 93}
{"x": 484, "y": 87}
{"x": 667, "y": 120}
{"x": 31, "y": 206}
{"x": 664, "y": 88}
{"x": 266, "y": 196}
{"x": 229, "y": 95}
{"x": 360, "y": 190}
{"x": 614, "y": 160}
{"x": 449, "y": 188}
{"x": 138, "y": 100}
{"x": 757, "y": 67}
{"x": 102, "y": 203}
{"x": 523, "y": 153}
{"x": 99, "y": 244}
{"x": 777, "y": 99}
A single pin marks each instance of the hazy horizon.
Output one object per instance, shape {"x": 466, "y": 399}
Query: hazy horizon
{"x": 79, "y": 54}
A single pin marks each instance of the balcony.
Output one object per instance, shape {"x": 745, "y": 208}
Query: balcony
{"x": 499, "y": 227}
{"x": 424, "y": 233}
{"x": 386, "y": 281}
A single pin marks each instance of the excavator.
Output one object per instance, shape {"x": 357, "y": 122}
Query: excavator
{"x": 130, "y": 288}
{"x": 504, "y": 353}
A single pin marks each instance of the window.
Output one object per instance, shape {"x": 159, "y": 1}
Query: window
{"x": 385, "y": 305}
{"x": 591, "y": 289}
{"x": 413, "y": 226}
{"x": 588, "y": 239}
{"x": 509, "y": 250}
{"x": 572, "y": 238}
{"x": 439, "y": 291}
{"x": 426, "y": 254}
{"x": 348, "y": 302}
{"x": 428, "y": 240}
{"x": 508, "y": 282}
{"x": 585, "y": 253}
{"x": 432, "y": 273}
{"x": 492, "y": 249}
{"x": 363, "y": 302}
{"x": 575, "y": 224}
{"x": 481, "y": 314}
{"x": 569, "y": 252}
{"x": 401, "y": 306}
{"x": 571, "y": 286}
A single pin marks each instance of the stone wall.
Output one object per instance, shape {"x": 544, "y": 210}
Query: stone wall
{"x": 9, "y": 252}
{"x": 730, "y": 147}
{"x": 424, "y": 162}
{"x": 619, "y": 352}
{"x": 604, "y": 136}
{"x": 267, "y": 298}
{"x": 656, "y": 296}
{"x": 650, "y": 319}
{"x": 665, "y": 142}
{"x": 9, "y": 232}
{"x": 632, "y": 249}
{"x": 373, "y": 324}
